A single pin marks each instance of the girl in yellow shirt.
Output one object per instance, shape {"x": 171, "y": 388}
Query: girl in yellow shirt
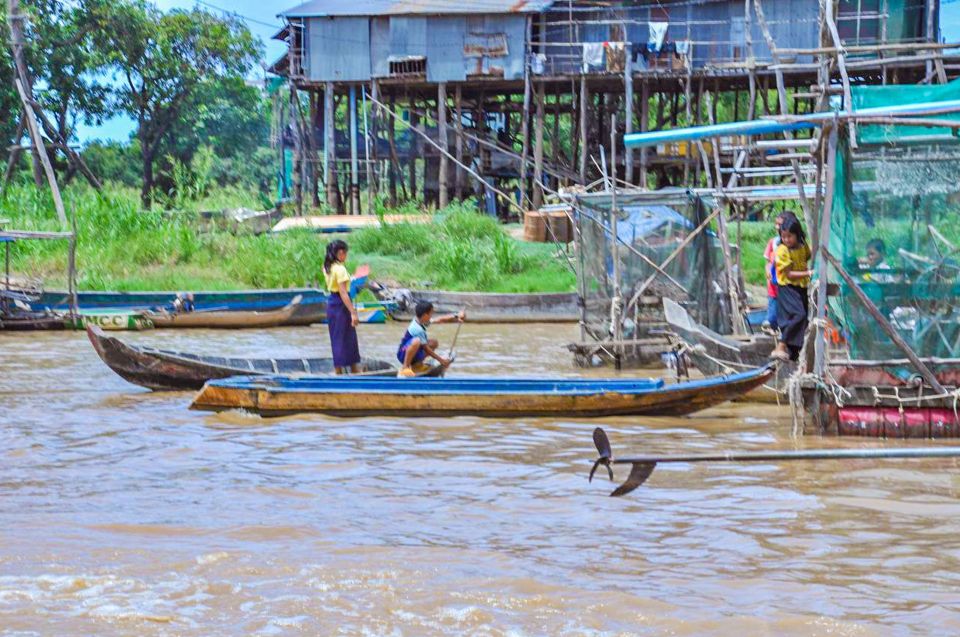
{"x": 793, "y": 277}
{"x": 342, "y": 319}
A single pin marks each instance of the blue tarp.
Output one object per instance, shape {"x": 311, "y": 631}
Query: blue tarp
{"x": 645, "y": 220}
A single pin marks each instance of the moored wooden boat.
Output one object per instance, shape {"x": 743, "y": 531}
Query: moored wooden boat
{"x": 31, "y": 321}
{"x": 884, "y": 399}
{"x": 226, "y": 319}
{"x": 498, "y": 397}
{"x": 167, "y": 370}
{"x": 714, "y": 353}
{"x": 115, "y": 321}
{"x": 491, "y": 307}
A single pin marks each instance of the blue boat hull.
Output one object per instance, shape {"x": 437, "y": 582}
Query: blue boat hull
{"x": 498, "y": 397}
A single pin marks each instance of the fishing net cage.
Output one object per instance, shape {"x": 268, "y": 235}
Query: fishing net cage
{"x": 895, "y": 227}
{"x": 651, "y": 226}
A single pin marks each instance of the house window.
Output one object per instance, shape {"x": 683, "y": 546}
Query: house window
{"x": 408, "y": 66}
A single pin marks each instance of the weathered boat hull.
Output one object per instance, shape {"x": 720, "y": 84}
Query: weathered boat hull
{"x": 496, "y": 398}
{"x": 486, "y": 307}
{"x": 225, "y": 320}
{"x": 32, "y": 322}
{"x": 163, "y": 370}
{"x": 110, "y": 321}
{"x": 883, "y": 400}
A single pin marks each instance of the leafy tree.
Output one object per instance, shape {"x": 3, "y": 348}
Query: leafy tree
{"x": 163, "y": 59}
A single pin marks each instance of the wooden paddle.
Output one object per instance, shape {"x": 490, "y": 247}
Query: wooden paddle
{"x": 453, "y": 344}
{"x": 643, "y": 466}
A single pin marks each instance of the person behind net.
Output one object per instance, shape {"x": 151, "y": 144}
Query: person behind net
{"x": 879, "y": 271}
{"x": 415, "y": 345}
{"x": 342, "y": 318}
{"x": 793, "y": 279}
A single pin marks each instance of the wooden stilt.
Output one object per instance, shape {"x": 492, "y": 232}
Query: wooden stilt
{"x": 354, "y": 159}
{"x": 538, "y": 149}
{"x": 525, "y": 135}
{"x": 555, "y": 134}
{"x": 394, "y": 163}
{"x": 330, "y": 149}
{"x": 414, "y": 150}
{"x": 644, "y": 125}
{"x": 458, "y": 99}
{"x": 444, "y": 144}
{"x": 314, "y": 155}
{"x": 628, "y": 114}
{"x": 584, "y": 148}
{"x": 373, "y": 147}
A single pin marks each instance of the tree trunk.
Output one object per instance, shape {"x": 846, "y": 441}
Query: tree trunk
{"x": 146, "y": 190}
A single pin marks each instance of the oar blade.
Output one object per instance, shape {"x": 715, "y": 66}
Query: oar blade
{"x": 639, "y": 472}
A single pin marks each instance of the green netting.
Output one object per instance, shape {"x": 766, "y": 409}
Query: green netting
{"x": 878, "y": 96}
{"x": 895, "y": 226}
{"x": 653, "y": 225}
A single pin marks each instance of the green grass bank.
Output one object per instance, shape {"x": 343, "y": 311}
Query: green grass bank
{"x": 122, "y": 247}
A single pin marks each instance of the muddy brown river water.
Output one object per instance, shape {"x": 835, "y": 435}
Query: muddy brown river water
{"x": 124, "y": 513}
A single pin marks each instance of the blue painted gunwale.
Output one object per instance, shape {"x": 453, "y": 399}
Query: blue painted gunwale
{"x": 475, "y": 386}
{"x": 238, "y": 300}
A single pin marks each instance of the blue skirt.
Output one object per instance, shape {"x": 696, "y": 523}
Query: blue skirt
{"x": 343, "y": 335}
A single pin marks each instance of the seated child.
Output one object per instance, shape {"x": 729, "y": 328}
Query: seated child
{"x": 415, "y": 346}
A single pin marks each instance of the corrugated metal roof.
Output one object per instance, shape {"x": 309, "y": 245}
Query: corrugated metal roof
{"x": 332, "y": 8}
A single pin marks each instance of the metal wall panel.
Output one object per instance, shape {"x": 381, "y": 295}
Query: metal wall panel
{"x": 408, "y": 36}
{"x": 338, "y": 49}
{"x": 379, "y": 46}
{"x": 793, "y": 24}
{"x": 444, "y": 44}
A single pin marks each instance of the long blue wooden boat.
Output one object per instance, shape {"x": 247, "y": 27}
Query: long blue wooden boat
{"x": 489, "y": 397}
{"x": 311, "y": 309}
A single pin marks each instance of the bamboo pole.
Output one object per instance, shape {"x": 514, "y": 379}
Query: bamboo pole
{"x": 42, "y": 152}
{"x": 820, "y": 354}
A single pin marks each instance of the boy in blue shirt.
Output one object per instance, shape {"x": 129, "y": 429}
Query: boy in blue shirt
{"x": 415, "y": 346}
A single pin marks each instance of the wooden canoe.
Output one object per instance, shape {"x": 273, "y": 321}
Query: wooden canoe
{"x": 225, "y": 319}
{"x": 714, "y": 353}
{"x": 497, "y": 397}
{"x": 165, "y": 370}
{"x": 31, "y": 321}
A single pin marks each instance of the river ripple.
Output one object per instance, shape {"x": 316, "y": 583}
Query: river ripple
{"x": 122, "y": 513}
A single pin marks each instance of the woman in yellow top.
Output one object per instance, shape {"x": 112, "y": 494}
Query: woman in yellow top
{"x": 793, "y": 277}
{"x": 342, "y": 319}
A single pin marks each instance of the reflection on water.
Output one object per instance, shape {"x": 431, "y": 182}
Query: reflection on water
{"x": 121, "y": 512}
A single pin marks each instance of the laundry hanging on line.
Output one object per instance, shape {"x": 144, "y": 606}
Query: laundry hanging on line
{"x": 658, "y": 32}
{"x": 592, "y": 55}
{"x": 616, "y": 56}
